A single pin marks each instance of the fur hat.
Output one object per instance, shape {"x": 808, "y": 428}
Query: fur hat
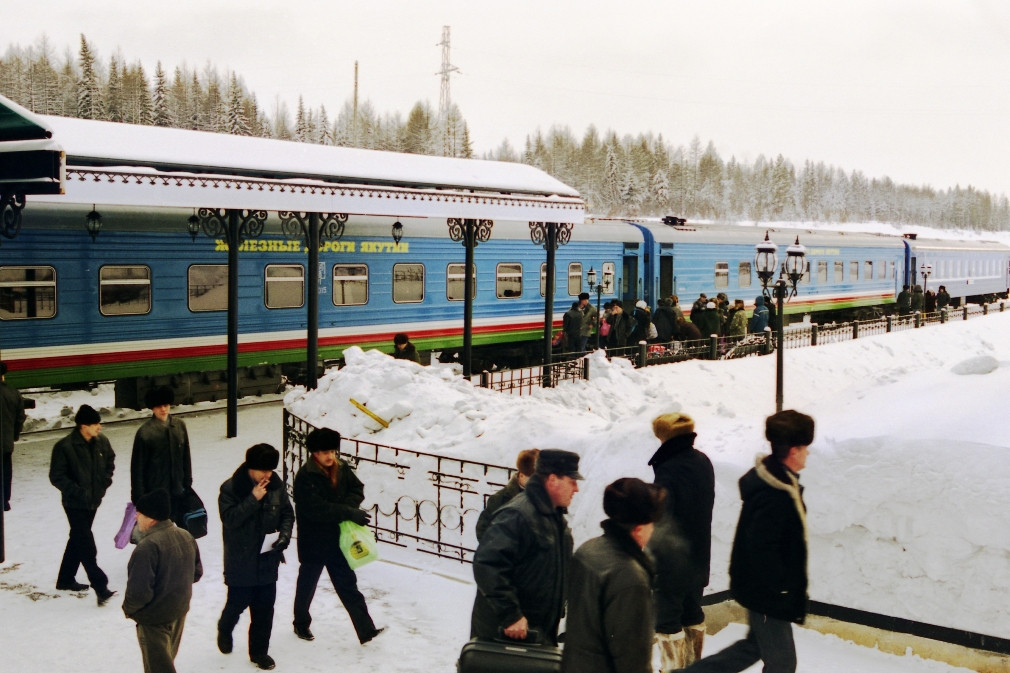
{"x": 630, "y": 501}
{"x": 156, "y": 397}
{"x": 668, "y": 426}
{"x": 323, "y": 439}
{"x": 559, "y": 462}
{"x": 87, "y": 415}
{"x": 261, "y": 457}
{"x": 156, "y": 505}
{"x": 526, "y": 461}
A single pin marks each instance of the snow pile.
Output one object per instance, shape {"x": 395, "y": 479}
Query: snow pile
{"x": 907, "y": 484}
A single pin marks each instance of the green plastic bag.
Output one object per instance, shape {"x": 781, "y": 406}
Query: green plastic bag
{"x": 358, "y": 544}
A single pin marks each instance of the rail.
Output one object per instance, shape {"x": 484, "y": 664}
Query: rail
{"x": 420, "y": 500}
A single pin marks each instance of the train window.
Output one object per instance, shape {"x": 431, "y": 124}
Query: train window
{"x": 124, "y": 290}
{"x": 822, "y": 271}
{"x": 743, "y": 275}
{"x": 868, "y": 270}
{"x": 574, "y": 279}
{"x": 890, "y": 269}
{"x": 408, "y": 283}
{"x": 509, "y": 280}
{"x": 455, "y": 281}
{"x": 839, "y": 272}
{"x": 721, "y": 275}
{"x": 27, "y": 292}
{"x": 806, "y": 273}
{"x": 207, "y": 287}
{"x": 882, "y": 270}
{"x": 350, "y": 284}
{"x": 853, "y": 270}
{"x": 284, "y": 285}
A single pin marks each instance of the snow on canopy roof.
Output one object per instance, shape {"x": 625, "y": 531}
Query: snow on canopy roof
{"x": 99, "y": 143}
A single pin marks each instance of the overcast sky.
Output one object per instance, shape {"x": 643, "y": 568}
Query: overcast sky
{"x": 916, "y": 90}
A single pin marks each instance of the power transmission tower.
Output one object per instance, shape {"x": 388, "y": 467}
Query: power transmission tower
{"x": 444, "y": 100}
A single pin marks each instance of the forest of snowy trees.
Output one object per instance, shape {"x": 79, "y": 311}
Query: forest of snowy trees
{"x": 617, "y": 175}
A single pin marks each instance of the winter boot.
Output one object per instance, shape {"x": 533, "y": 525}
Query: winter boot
{"x": 672, "y": 650}
{"x": 695, "y": 636}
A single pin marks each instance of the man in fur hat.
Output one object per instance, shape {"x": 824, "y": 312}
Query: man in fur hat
{"x": 768, "y": 565}
{"x": 609, "y": 625}
{"x": 161, "y": 456}
{"x": 682, "y": 544}
{"x": 253, "y": 503}
{"x": 521, "y": 563}
{"x": 159, "y": 584}
{"x": 81, "y": 468}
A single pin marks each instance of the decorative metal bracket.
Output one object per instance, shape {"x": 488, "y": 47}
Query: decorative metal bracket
{"x": 470, "y": 235}
{"x": 11, "y": 205}
{"x": 214, "y": 222}
{"x": 296, "y": 226}
{"x": 540, "y": 233}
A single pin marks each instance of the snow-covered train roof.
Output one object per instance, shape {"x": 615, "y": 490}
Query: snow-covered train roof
{"x": 126, "y": 164}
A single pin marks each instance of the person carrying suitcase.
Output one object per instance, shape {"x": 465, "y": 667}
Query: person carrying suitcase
{"x": 521, "y": 563}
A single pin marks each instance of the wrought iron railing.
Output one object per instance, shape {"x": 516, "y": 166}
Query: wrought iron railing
{"x": 419, "y": 500}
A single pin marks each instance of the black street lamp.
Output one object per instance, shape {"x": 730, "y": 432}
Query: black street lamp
{"x": 93, "y": 223}
{"x": 925, "y": 270}
{"x": 766, "y": 263}
{"x": 605, "y": 286}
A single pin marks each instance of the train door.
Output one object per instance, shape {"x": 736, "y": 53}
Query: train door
{"x": 629, "y": 281}
{"x": 667, "y": 284}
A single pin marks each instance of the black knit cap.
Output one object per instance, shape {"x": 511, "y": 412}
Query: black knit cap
{"x": 156, "y": 505}
{"x": 261, "y": 457}
{"x": 631, "y": 501}
{"x": 559, "y": 462}
{"x": 323, "y": 439}
{"x": 156, "y": 397}
{"x": 87, "y": 415}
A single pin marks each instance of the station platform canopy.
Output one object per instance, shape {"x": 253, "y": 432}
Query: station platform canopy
{"x": 96, "y": 162}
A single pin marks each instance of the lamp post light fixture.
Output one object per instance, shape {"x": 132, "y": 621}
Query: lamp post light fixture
{"x": 925, "y": 270}
{"x": 93, "y": 223}
{"x": 766, "y": 263}
{"x": 397, "y": 232}
{"x": 605, "y": 286}
{"x": 193, "y": 226}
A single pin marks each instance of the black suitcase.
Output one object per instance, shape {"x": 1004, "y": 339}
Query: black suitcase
{"x": 515, "y": 656}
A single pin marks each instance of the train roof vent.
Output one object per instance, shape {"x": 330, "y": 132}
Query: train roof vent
{"x": 673, "y": 221}
{"x": 910, "y": 237}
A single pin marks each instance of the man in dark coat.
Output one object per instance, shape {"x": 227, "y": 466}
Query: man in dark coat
{"x": 682, "y": 545}
{"x": 942, "y": 298}
{"x": 917, "y": 300}
{"x": 609, "y": 628}
{"x": 253, "y": 504}
{"x": 590, "y": 320}
{"x": 904, "y": 301}
{"x": 621, "y": 325}
{"x": 81, "y": 468}
{"x": 521, "y": 564}
{"x": 768, "y": 564}
{"x": 760, "y": 318}
{"x": 403, "y": 349}
{"x": 327, "y": 492}
{"x": 708, "y": 322}
{"x": 665, "y": 321}
{"x": 159, "y": 585}
{"x": 161, "y": 456}
{"x": 687, "y": 331}
{"x": 12, "y": 419}
{"x": 571, "y": 328}
{"x": 525, "y": 463}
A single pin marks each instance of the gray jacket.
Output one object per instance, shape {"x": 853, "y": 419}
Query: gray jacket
{"x": 161, "y": 574}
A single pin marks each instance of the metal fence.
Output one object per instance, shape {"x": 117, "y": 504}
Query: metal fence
{"x": 573, "y": 367}
{"x": 423, "y": 501}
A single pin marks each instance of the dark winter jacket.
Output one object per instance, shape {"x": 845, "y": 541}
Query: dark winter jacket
{"x": 942, "y": 300}
{"x": 904, "y": 302}
{"x": 768, "y": 565}
{"x": 590, "y": 318}
{"x": 640, "y": 329}
{"x": 408, "y": 353}
{"x": 915, "y": 304}
{"x": 737, "y": 324}
{"x": 161, "y": 574}
{"x": 708, "y": 322}
{"x": 12, "y": 417}
{"x": 610, "y": 605}
{"x": 161, "y": 459}
{"x": 665, "y": 321}
{"x": 571, "y": 325}
{"x": 687, "y": 331}
{"x": 82, "y": 470}
{"x": 245, "y": 521}
{"x": 621, "y": 325}
{"x": 494, "y": 503}
{"x": 521, "y": 566}
{"x": 759, "y": 320}
{"x": 320, "y": 508}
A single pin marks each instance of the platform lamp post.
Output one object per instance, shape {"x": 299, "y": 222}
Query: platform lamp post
{"x": 550, "y": 235}
{"x": 470, "y": 232}
{"x": 925, "y": 270}
{"x": 766, "y": 263}
{"x": 604, "y": 286}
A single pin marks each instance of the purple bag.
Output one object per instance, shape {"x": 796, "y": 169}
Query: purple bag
{"x": 129, "y": 520}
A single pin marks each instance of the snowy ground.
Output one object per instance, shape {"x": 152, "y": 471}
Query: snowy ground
{"x": 907, "y": 489}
